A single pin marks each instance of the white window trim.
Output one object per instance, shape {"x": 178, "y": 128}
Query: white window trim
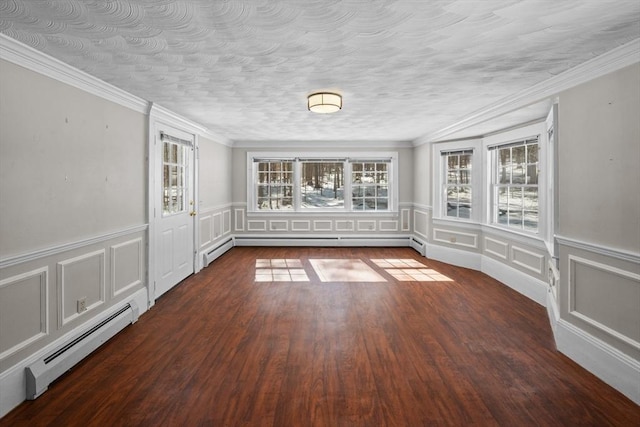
{"x": 514, "y": 135}
{"x": 394, "y": 185}
{"x": 440, "y": 167}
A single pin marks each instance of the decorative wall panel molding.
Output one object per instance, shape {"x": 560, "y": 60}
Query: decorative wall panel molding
{"x": 421, "y": 223}
{"x": 217, "y": 225}
{"x": 127, "y": 266}
{"x": 496, "y": 248}
{"x": 238, "y": 224}
{"x": 278, "y": 225}
{"x": 80, "y": 277}
{"x": 388, "y": 225}
{"x": 300, "y": 225}
{"x": 226, "y": 222}
{"x": 24, "y": 302}
{"x": 256, "y": 225}
{"x": 322, "y": 225}
{"x": 531, "y": 261}
{"x": 591, "y": 281}
{"x": 457, "y": 238}
{"x": 344, "y": 225}
{"x": 404, "y": 218}
{"x": 206, "y": 234}
{"x": 54, "y": 250}
{"x": 366, "y": 225}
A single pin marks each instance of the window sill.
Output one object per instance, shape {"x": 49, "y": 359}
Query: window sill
{"x": 325, "y": 213}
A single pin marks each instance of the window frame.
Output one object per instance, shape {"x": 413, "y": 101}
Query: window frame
{"x": 332, "y": 157}
{"x": 490, "y": 145}
{"x": 439, "y": 162}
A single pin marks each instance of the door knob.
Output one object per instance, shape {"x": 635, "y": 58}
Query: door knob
{"x": 193, "y": 213}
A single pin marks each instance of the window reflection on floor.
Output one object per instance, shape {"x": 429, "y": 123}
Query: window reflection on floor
{"x": 406, "y": 270}
{"x": 280, "y": 270}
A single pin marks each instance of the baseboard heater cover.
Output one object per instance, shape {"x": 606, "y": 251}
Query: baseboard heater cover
{"x": 47, "y": 369}
{"x": 419, "y": 246}
{"x": 216, "y": 252}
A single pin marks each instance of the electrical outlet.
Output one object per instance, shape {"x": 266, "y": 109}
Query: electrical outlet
{"x": 452, "y": 239}
{"x": 82, "y": 304}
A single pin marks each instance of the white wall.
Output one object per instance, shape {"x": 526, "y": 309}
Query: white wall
{"x": 72, "y": 165}
{"x": 599, "y": 208}
{"x": 73, "y": 226}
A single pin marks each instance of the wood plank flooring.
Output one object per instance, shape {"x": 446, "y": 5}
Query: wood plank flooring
{"x": 221, "y": 349}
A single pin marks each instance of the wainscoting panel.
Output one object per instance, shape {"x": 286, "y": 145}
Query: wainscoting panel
{"x": 238, "y": 224}
{"x": 366, "y": 225}
{"x": 217, "y": 225}
{"x": 528, "y": 260}
{"x": 226, "y": 222}
{"x": 80, "y": 278}
{"x": 458, "y": 238}
{"x": 256, "y": 225}
{"x": 421, "y": 224}
{"x": 127, "y": 266}
{"x": 344, "y": 225}
{"x": 23, "y": 304}
{"x": 496, "y": 248}
{"x": 206, "y": 234}
{"x": 300, "y": 225}
{"x": 591, "y": 283}
{"x": 405, "y": 219}
{"x": 388, "y": 225}
{"x": 322, "y": 225}
{"x": 278, "y": 225}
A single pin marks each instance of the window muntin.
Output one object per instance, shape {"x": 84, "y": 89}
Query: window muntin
{"x": 369, "y": 186}
{"x": 457, "y": 186}
{"x": 311, "y": 183}
{"x": 515, "y": 185}
{"x": 322, "y": 184}
{"x": 274, "y": 186}
{"x": 174, "y": 177}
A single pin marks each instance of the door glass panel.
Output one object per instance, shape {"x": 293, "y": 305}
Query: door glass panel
{"x": 174, "y": 178}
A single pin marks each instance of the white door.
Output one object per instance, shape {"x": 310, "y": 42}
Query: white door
{"x": 174, "y": 224}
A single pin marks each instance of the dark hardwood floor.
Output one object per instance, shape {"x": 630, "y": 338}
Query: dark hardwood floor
{"x": 221, "y": 349}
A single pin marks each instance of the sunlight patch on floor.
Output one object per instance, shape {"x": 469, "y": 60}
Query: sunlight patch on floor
{"x": 410, "y": 270}
{"x": 345, "y": 270}
{"x": 280, "y": 270}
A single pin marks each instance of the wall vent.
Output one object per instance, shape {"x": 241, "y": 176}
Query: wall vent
{"x": 44, "y": 371}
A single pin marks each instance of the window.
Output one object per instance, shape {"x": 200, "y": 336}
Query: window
{"x": 322, "y": 184}
{"x": 369, "y": 185}
{"x": 457, "y": 184}
{"x": 275, "y": 185}
{"x": 515, "y": 185}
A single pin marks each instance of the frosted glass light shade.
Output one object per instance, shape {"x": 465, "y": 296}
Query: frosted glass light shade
{"x": 324, "y": 102}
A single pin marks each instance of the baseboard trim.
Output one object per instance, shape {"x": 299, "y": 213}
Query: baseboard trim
{"x": 607, "y": 363}
{"x": 324, "y": 241}
{"x": 453, "y": 256}
{"x": 13, "y": 382}
{"x": 526, "y": 285}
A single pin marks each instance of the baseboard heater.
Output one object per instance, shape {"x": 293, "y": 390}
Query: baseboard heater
{"x": 217, "y": 251}
{"x": 47, "y": 369}
{"x": 419, "y": 246}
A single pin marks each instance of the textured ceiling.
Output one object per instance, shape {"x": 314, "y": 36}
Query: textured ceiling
{"x": 243, "y": 68}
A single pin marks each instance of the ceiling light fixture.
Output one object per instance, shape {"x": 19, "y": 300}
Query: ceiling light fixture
{"x": 324, "y": 102}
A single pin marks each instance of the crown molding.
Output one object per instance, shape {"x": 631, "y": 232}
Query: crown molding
{"x": 164, "y": 115}
{"x": 25, "y": 56}
{"x": 322, "y": 144}
{"x": 606, "y": 63}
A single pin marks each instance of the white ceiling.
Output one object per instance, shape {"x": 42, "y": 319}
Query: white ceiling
{"x": 406, "y": 69}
